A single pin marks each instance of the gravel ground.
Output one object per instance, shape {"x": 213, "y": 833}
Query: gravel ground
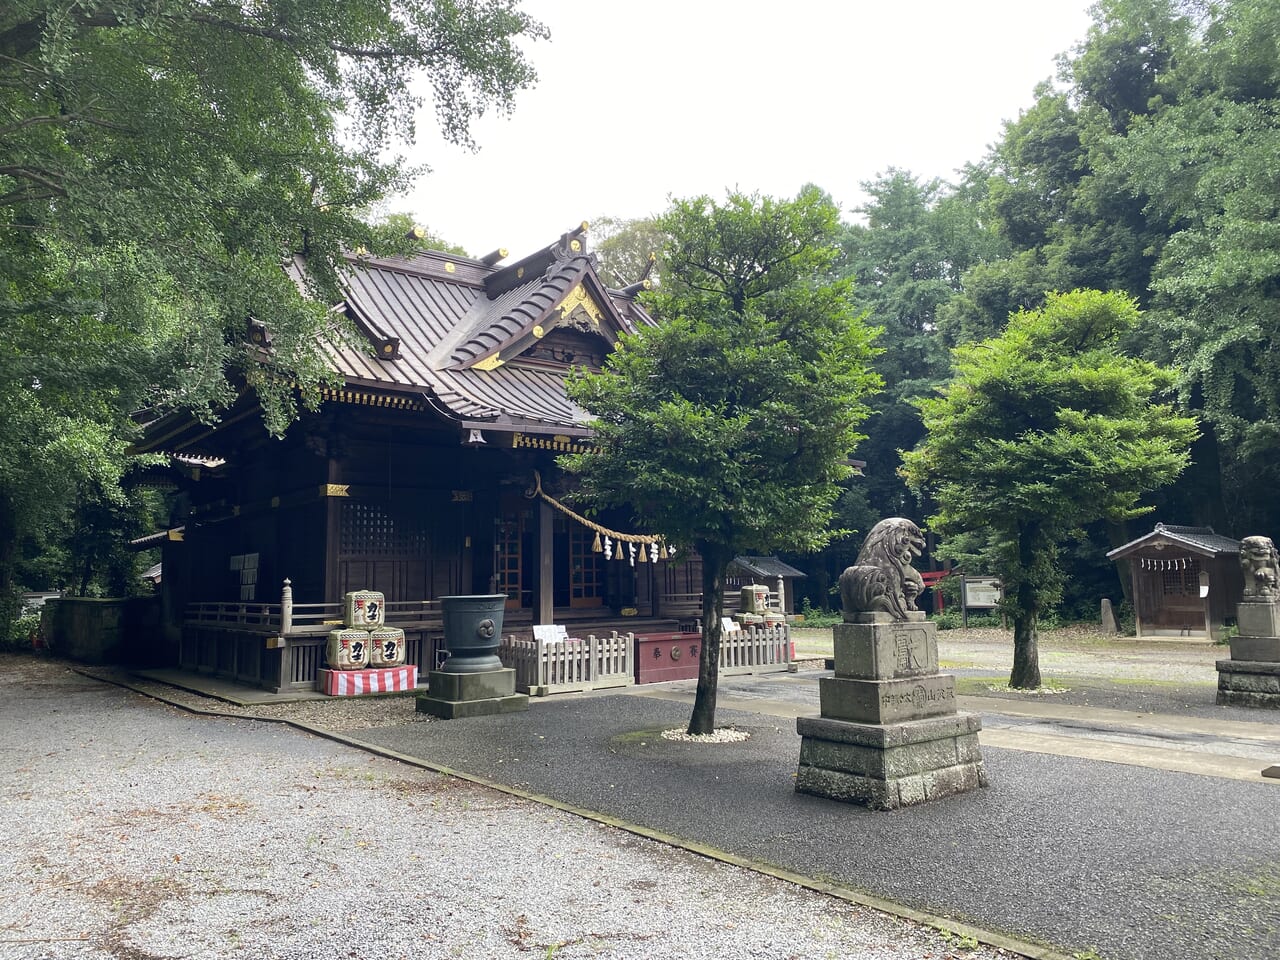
{"x": 135, "y": 831}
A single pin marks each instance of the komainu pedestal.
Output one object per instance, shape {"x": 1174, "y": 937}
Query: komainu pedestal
{"x": 1251, "y": 678}
{"x": 889, "y": 734}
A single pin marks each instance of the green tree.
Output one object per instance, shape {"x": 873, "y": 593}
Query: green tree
{"x": 158, "y": 162}
{"x": 1044, "y": 429}
{"x": 1203, "y": 161}
{"x": 628, "y": 249}
{"x": 906, "y": 262}
{"x": 727, "y": 427}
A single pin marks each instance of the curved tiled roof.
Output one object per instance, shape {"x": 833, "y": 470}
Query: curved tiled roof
{"x": 766, "y": 567}
{"x": 1200, "y": 540}
{"x": 516, "y": 312}
{"x": 432, "y": 316}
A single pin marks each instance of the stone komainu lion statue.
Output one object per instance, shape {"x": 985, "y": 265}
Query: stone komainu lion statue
{"x": 883, "y": 580}
{"x": 1261, "y": 568}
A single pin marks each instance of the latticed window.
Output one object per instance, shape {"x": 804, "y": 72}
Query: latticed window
{"x": 1183, "y": 580}
{"x": 507, "y": 535}
{"x": 371, "y": 530}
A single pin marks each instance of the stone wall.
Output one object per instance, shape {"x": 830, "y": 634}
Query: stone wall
{"x": 101, "y": 631}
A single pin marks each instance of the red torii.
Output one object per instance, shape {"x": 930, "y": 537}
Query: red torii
{"x": 931, "y": 578}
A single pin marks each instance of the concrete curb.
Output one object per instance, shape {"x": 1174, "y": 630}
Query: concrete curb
{"x": 992, "y": 938}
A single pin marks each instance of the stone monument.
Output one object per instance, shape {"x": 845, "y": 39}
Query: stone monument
{"x": 889, "y": 735}
{"x": 1251, "y": 678}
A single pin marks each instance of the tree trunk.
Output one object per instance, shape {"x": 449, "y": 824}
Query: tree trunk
{"x": 1026, "y": 654}
{"x": 1118, "y": 536}
{"x": 703, "y": 718}
{"x": 8, "y": 557}
{"x": 1026, "y": 643}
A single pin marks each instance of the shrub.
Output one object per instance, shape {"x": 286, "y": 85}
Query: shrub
{"x": 818, "y": 618}
{"x": 983, "y": 620}
{"x": 947, "y": 620}
{"x": 18, "y": 636}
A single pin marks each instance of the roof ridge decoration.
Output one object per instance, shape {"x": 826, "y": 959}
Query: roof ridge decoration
{"x": 572, "y": 243}
{"x": 568, "y": 294}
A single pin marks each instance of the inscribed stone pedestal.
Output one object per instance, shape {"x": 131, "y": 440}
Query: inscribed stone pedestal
{"x": 1251, "y": 678}
{"x": 889, "y": 734}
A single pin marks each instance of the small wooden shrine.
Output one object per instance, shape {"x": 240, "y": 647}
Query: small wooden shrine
{"x": 1186, "y": 581}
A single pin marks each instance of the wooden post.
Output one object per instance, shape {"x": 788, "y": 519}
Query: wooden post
{"x": 286, "y": 607}
{"x": 1137, "y": 599}
{"x": 545, "y": 611}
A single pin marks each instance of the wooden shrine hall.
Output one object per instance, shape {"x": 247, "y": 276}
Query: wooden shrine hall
{"x": 430, "y": 471}
{"x": 1186, "y": 581}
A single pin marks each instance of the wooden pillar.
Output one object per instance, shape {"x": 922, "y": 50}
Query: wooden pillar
{"x": 333, "y": 530}
{"x": 1137, "y": 598}
{"x": 286, "y": 608}
{"x": 544, "y": 603}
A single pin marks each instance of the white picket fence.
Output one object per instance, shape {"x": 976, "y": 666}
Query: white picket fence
{"x": 563, "y": 666}
{"x": 755, "y": 649}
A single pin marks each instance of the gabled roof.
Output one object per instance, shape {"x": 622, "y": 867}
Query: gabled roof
{"x": 1199, "y": 540}
{"x": 478, "y": 344}
{"x": 465, "y": 334}
{"x": 770, "y": 567}
{"x": 567, "y": 294}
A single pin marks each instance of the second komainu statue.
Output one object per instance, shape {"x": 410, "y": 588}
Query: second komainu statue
{"x": 882, "y": 579}
{"x": 1260, "y": 566}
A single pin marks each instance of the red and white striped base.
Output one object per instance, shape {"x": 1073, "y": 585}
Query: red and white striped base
{"x": 352, "y": 683}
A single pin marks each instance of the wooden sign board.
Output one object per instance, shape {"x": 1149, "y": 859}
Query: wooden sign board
{"x": 981, "y": 592}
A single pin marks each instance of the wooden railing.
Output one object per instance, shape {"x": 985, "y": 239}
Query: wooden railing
{"x": 281, "y": 646}
{"x": 289, "y": 619}
{"x": 680, "y": 603}
{"x": 759, "y": 648}
{"x": 265, "y": 616}
{"x": 563, "y": 666}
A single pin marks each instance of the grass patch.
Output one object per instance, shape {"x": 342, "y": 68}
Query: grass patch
{"x": 638, "y": 737}
{"x": 1147, "y": 682}
{"x": 977, "y": 686}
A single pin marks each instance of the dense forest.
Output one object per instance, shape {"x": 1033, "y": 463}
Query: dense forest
{"x": 1147, "y": 167}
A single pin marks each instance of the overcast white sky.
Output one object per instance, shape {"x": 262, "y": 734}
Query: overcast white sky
{"x": 640, "y": 101}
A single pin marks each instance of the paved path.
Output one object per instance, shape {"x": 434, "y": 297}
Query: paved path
{"x": 1138, "y": 858}
{"x": 1206, "y": 739}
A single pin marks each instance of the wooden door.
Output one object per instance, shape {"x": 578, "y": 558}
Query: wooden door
{"x": 586, "y": 572}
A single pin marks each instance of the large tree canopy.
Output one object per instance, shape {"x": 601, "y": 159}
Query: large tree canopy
{"x": 727, "y": 427}
{"x": 159, "y": 160}
{"x": 1044, "y": 429}
{"x": 1203, "y": 160}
